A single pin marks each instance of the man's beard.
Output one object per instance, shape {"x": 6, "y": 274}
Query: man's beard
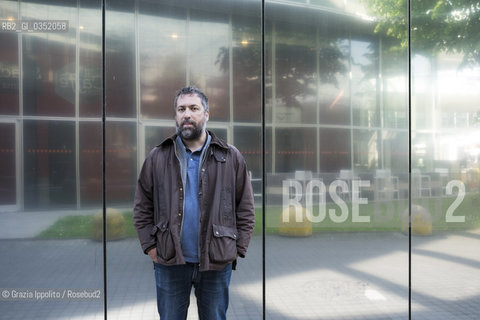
{"x": 190, "y": 133}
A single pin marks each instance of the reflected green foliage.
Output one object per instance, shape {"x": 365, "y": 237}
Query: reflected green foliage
{"x": 80, "y": 227}
{"x": 69, "y": 227}
{"x": 386, "y": 216}
{"x": 437, "y": 26}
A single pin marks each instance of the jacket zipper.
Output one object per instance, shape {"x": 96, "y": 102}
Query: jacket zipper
{"x": 183, "y": 188}
{"x": 200, "y": 214}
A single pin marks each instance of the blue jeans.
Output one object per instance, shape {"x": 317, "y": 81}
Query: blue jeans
{"x": 174, "y": 284}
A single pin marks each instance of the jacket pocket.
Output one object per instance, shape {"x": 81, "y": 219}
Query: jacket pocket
{"x": 223, "y": 247}
{"x": 165, "y": 246}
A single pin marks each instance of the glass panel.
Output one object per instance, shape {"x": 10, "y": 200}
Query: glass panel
{"x": 334, "y": 69}
{"x": 49, "y": 149}
{"x": 90, "y": 137}
{"x": 296, "y": 74}
{"x": 365, "y": 149}
{"x": 8, "y": 181}
{"x": 90, "y": 58}
{"x": 296, "y": 148}
{"x": 246, "y": 58}
{"x": 364, "y": 83}
{"x": 120, "y": 59}
{"x": 209, "y": 34}
{"x": 445, "y": 161}
{"x": 121, "y": 162}
{"x": 9, "y": 71}
{"x": 51, "y": 247}
{"x": 248, "y": 141}
{"x": 49, "y": 63}
{"x": 334, "y": 149}
{"x": 155, "y": 135}
{"x": 334, "y": 247}
{"x": 177, "y": 44}
{"x": 162, "y": 57}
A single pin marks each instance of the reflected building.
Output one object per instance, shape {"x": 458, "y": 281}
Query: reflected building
{"x": 329, "y": 101}
{"x": 336, "y": 97}
{"x": 343, "y": 102}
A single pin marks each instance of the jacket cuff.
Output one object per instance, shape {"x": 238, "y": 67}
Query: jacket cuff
{"x": 149, "y": 248}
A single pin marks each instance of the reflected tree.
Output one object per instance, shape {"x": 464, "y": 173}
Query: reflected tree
{"x": 437, "y": 26}
{"x": 296, "y": 67}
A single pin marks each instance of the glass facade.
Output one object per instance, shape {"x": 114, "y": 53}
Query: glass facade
{"x": 370, "y": 204}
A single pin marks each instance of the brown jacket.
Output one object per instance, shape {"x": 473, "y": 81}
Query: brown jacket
{"x": 225, "y": 197}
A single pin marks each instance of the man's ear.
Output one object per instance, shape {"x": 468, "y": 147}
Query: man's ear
{"x": 207, "y": 115}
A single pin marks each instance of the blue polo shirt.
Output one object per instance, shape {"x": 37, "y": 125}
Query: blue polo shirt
{"x": 191, "y": 208}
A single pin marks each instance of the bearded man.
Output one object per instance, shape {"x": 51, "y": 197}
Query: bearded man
{"x": 193, "y": 212}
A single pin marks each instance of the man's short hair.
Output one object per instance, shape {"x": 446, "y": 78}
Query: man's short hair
{"x": 191, "y": 90}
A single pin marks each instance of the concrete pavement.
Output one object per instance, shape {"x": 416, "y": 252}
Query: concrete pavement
{"x": 326, "y": 276}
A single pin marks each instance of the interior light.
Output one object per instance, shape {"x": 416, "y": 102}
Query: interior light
{"x": 174, "y": 36}
{"x": 244, "y": 42}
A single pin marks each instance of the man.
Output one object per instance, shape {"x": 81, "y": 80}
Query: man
{"x": 193, "y": 213}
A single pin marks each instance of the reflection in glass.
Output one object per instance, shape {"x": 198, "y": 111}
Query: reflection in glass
{"x": 49, "y": 150}
{"x": 364, "y": 83}
{"x": 121, "y": 162}
{"x": 49, "y": 64}
{"x": 155, "y": 135}
{"x": 120, "y": 59}
{"x": 337, "y": 147}
{"x": 246, "y": 59}
{"x": 175, "y": 45}
{"x": 334, "y": 149}
{"x": 50, "y": 209}
{"x": 9, "y": 71}
{"x": 90, "y": 59}
{"x": 162, "y": 57}
{"x": 90, "y": 139}
{"x": 8, "y": 183}
{"x": 337, "y": 188}
{"x": 445, "y": 163}
{"x": 208, "y": 40}
{"x": 243, "y": 138}
{"x": 296, "y": 74}
{"x": 295, "y": 149}
{"x": 334, "y": 88}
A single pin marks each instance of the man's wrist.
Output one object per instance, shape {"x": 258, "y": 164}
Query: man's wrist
{"x": 150, "y": 248}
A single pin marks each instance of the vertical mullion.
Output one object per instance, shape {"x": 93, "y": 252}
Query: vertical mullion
{"x": 262, "y": 94}
{"x": 20, "y": 168}
{"x": 104, "y": 193}
{"x": 409, "y": 57}
{"x": 230, "y": 131}
{"x": 77, "y": 105}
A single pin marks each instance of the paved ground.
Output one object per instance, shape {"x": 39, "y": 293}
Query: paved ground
{"x": 326, "y": 276}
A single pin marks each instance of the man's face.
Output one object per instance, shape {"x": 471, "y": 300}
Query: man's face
{"x": 190, "y": 117}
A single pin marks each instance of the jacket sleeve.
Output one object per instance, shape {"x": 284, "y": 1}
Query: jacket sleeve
{"x": 143, "y": 212}
{"x": 245, "y": 211}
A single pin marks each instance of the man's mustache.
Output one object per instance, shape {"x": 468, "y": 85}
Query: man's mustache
{"x": 187, "y": 122}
